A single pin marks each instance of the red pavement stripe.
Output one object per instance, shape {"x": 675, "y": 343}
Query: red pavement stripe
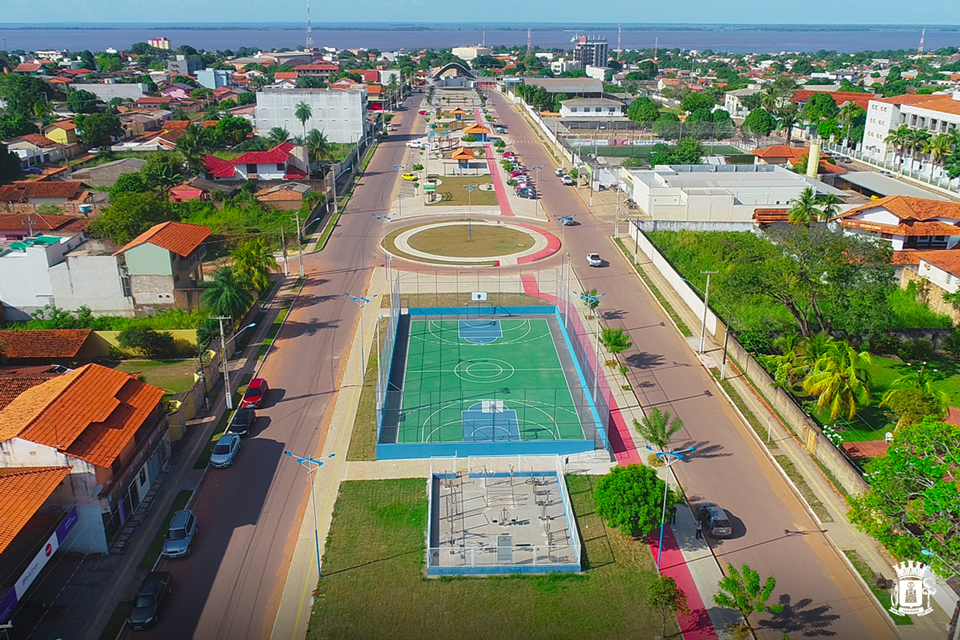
{"x": 696, "y": 626}
{"x": 502, "y": 200}
{"x": 553, "y": 245}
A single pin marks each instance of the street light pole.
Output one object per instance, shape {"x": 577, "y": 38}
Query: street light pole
{"x": 706, "y": 307}
{"x": 362, "y": 302}
{"x": 299, "y": 244}
{"x": 399, "y": 168}
{"x": 223, "y": 357}
{"x": 674, "y": 456}
{"x": 536, "y": 201}
{"x": 304, "y": 462}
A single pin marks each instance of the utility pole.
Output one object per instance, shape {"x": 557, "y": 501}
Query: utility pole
{"x": 226, "y": 368}
{"x": 706, "y": 307}
{"x": 299, "y": 244}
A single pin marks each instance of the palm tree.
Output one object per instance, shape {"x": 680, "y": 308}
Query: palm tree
{"x": 744, "y": 591}
{"x": 909, "y": 383}
{"x": 786, "y": 120}
{"x": 252, "y": 264}
{"x": 393, "y": 87}
{"x": 303, "y": 112}
{"x": 898, "y": 139}
{"x": 849, "y": 112}
{"x": 830, "y": 206}
{"x": 938, "y": 149}
{"x": 916, "y": 141}
{"x": 840, "y": 380}
{"x": 193, "y": 146}
{"x": 226, "y": 295}
{"x": 804, "y": 209}
{"x": 657, "y": 428}
{"x": 318, "y": 145}
{"x": 278, "y": 135}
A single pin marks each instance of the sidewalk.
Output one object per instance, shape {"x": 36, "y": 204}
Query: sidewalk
{"x": 808, "y": 480}
{"x": 85, "y": 597}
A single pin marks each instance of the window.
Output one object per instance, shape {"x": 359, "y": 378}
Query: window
{"x": 251, "y": 168}
{"x": 281, "y": 166}
{"x": 143, "y": 476}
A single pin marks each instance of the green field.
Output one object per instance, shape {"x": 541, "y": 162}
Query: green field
{"x": 453, "y": 366}
{"x": 645, "y": 150}
{"x": 373, "y": 584}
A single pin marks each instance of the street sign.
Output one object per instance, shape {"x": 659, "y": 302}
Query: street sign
{"x": 479, "y": 296}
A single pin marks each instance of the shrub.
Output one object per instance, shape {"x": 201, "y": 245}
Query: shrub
{"x": 148, "y": 342}
{"x": 756, "y": 342}
{"x": 916, "y": 349}
{"x": 469, "y": 137}
{"x": 886, "y": 343}
{"x": 512, "y": 182}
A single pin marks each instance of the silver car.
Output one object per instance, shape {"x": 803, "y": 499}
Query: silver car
{"x": 183, "y": 528}
{"x": 225, "y": 451}
{"x": 593, "y": 260}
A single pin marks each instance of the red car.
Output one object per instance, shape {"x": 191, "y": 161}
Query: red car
{"x": 509, "y": 154}
{"x": 422, "y": 113}
{"x": 515, "y": 174}
{"x": 254, "y": 395}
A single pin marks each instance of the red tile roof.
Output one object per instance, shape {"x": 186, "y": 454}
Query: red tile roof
{"x": 41, "y": 222}
{"x": 948, "y": 260}
{"x": 906, "y": 208}
{"x": 840, "y": 97}
{"x": 226, "y": 168}
{"x": 12, "y": 385}
{"x": 51, "y": 344}
{"x": 27, "y": 67}
{"x": 285, "y": 75}
{"x": 38, "y": 139}
{"x": 177, "y": 237}
{"x": 769, "y": 216}
{"x": 26, "y": 190}
{"x": 907, "y": 228}
{"x": 23, "y": 491}
{"x": 66, "y": 125}
{"x": 318, "y": 66}
{"x": 90, "y": 413}
{"x": 907, "y": 98}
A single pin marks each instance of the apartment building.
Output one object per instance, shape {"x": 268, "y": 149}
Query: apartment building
{"x": 935, "y": 113}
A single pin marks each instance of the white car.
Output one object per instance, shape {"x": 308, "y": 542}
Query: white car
{"x": 558, "y": 172}
{"x": 567, "y": 180}
{"x": 417, "y": 144}
{"x": 593, "y": 260}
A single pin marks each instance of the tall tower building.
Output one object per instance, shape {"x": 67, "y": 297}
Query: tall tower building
{"x": 590, "y": 50}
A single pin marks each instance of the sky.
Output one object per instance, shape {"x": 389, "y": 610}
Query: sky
{"x": 887, "y": 12}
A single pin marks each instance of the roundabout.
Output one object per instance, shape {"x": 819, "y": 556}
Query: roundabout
{"x": 470, "y": 243}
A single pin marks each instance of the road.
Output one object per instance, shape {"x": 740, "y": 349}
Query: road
{"x": 773, "y": 532}
{"x": 229, "y": 588}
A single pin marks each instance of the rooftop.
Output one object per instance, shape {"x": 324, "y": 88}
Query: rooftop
{"x": 23, "y": 491}
{"x": 907, "y": 208}
{"x": 591, "y": 102}
{"x": 26, "y": 190}
{"x": 949, "y": 261}
{"x": 567, "y": 85}
{"x": 52, "y": 344}
{"x": 887, "y": 186}
{"x": 177, "y": 237}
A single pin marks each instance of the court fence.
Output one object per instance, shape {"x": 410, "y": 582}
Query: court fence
{"x": 387, "y": 350}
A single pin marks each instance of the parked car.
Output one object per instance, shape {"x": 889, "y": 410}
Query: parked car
{"x": 153, "y": 591}
{"x": 714, "y": 520}
{"x": 242, "y": 422}
{"x": 515, "y": 174}
{"x": 529, "y": 194}
{"x": 254, "y": 395}
{"x": 509, "y": 154}
{"x": 225, "y": 451}
{"x": 179, "y": 536}
{"x": 593, "y": 260}
{"x": 410, "y": 176}
{"x": 421, "y": 112}
{"x": 567, "y": 180}
{"x": 558, "y": 172}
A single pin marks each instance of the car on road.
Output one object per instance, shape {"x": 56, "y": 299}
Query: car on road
{"x": 180, "y": 534}
{"x": 417, "y": 144}
{"x": 593, "y": 260}
{"x": 517, "y": 173}
{"x": 409, "y": 176}
{"x": 567, "y": 221}
{"x": 567, "y": 180}
{"x": 242, "y": 422}
{"x": 225, "y": 451}
{"x": 509, "y": 154}
{"x": 254, "y": 395}
{"x": 558, "y": 172}
{"x": 422, "y": 112}
{"x": 714, "y": 520}
{"x": 154, "y": 589}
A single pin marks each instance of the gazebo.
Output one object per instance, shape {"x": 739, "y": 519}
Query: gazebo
{"x": 463, "y": 157}
{"x": 478, "y": 130}
{"x": 458, "y": 114}
{"x": 463, "y": 162}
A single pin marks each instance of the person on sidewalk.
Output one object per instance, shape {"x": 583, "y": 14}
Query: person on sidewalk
{"x": 673, "y": 515}
{"x": 699, "y": 531}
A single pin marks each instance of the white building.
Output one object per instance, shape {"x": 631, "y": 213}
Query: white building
{"x": 159, "y": 43}
{"x": 596, "y": 72}
{"x": 107, "y": 91}
{"x": 341, "y": 115}
{"x": 935, "y": 113}
{"x": 733, "y": 100}
{"x": 714, "y": 193}
{"x": 942, "y": 269}
{"x": 564, "y": 65}
{"x": 908, "y": 224}
{"x": 591, "y": 108}
{"x": 469, "y": 53}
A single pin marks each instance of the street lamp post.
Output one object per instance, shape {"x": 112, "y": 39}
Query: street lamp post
{"x": 668, "y": 458}
{"x": 362, "y": 302}
{"x": 223, "y": 357}
{"x": 299, "y": 244}
{"x": 312, "y": 465}
{"x": 399, "y": 168}
{"x": 931, "y": 554}
{"x": 706, "y": 307}
{"x": 536, "y": 200}
{"x": 470, "y": 189}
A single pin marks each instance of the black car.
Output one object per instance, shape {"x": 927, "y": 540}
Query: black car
{"x": 242, "y": 421}
{"x": 153, "y": 591}
{"x": 530, "y": 194}
{"x": 714, "y": 521}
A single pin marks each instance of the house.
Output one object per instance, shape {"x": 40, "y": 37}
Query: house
{"x": 320, "y": 70}
{"x": 108, "y": 89}
{"x": 34, "y": 149}
{"x": 733, "y": 101}
{"x": 463, "y": 161}
{"x": 591, "y": 108}
{"x": 341, "y": 115}
{"x": 862, "y": 100}
{"x": 66, "y": 347}
{"x": 28, "y": 69}
{"x": 213, "y": 78}
{"x": 285, "y": 161}
{"x": 376, "y": 98}
{"x": 64, "y": 132}
{"x": 940, "y": 275}
{"x": 286, "y": 75}
{"x": 285, "y": 197}
{"x": 107, "y": 174}
{"x": 783, "y": 155}
{"x": 37, "y": 192}
{"x": 184, "y": 66}
{"x": 108, "y": 428}
{"x": 201, "y": 189}
{"x": 163, "y": 266}
{"x": 912, "y": 226}
{"x": 371, "y": 76}
{"x": 571, "y": 87}
{"x": 224, "y": 93}
{"x": 177, "y": 91}
{"x": 14, "y": 380}
{"x": 17, "y": 226}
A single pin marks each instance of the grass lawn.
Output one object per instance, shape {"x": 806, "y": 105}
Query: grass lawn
{"x": 488, "y": 240}
{"x": 156, "y": 546}
{"x": 867, "y": 574}
{"x": 176, "y": 376}
{"x": 453, "y": 193}
{"x": 374, "y": 584}
{"x": 645, "y": 150}
{"x": 363, "y": 440}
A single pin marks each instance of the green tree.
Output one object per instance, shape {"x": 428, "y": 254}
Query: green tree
{"x": 840, "y": 381}
{"x": 232, "y": 130}
{"x": 687, "y": 151}
{"x": 278, "y": 135}
{"x": 723, "y": 126}
{"x": 744, "y": 591}
{"x": 830, "y": 206}
{"x": 129, "y": 183}
{"x": 22, "y": 93}
{"x": 657, "y": 428}
{"x": 193, "y": 146}
{"x": 629, "y": 499}
{"x": 615, "y": 340}
{"x": 98, "y": 129}
{"x": 12, "y": 125}
{"x": 938, "y": 148}
{"x": 129, "y": 215}
{"x": 898, "y": 138}
{"x": 693, "y": 101}
{"x": 163, "y": 170}
{"x": 802, "y": 68}
{"x": 9, "y": 164}
{"x": 759, "y": 122}
{"x": 912, "y": 502}
{"x": 913, "y": 390}
{"x": 820, "y": 107}
{"x": 699, "y": 124}
{"x": 804, "y": 210}
{"x": 643, "y": 111}
{"x": 109, "y": 62}
{"x": 667, "y": 126}
{"x": 303, "y": 112}
{"x": 318, "y": 145}
{"x": 850, "y": 115}
{"x": 226, "y": 294}
{"x": 252, "y": 265}
{"x": 787, "y": 119}
{"x": 80, "y": 101}
{"x": 148, "y": 342}
{"x": 665, "y": 596}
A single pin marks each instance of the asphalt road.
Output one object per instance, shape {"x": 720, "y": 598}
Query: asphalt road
{"x": 249, "y": 515}
{"x": 773, "y": 533}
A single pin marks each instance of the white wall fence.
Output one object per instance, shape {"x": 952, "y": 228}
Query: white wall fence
{"x": 910, "y": 170}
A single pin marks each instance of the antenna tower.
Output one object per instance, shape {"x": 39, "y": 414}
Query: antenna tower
{"x": 656, "y": 48}
{"x": 619, "y": 33}
{"x": 484, "y": 41}
{"x": 922, "y": 36}
{"x": 309, "y": 43}
{"x": 529, "y": 42}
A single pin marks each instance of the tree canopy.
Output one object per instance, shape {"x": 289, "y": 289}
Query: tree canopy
{"x": 98, "y": 129}
{"x": 630, "y": 499}
{"x": 129, "y": 215}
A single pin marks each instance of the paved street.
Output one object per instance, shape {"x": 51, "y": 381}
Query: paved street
{"x": 229, "y": 588}
{"x": 773, "y": 531}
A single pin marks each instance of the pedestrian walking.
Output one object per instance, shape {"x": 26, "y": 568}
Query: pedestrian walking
{"x": 673, "y": 515}
{"x": 699, "y": 531}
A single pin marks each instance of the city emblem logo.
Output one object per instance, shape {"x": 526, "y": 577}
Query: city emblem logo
{"x": 912, "y": 589}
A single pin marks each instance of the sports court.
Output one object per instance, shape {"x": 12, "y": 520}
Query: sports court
{"x": 492, "y": 379}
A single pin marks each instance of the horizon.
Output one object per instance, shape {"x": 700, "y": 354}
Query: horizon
{"x": 503, "y": 25}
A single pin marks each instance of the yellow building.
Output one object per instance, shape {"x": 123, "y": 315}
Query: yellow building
{"x": 64, "y": 132}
